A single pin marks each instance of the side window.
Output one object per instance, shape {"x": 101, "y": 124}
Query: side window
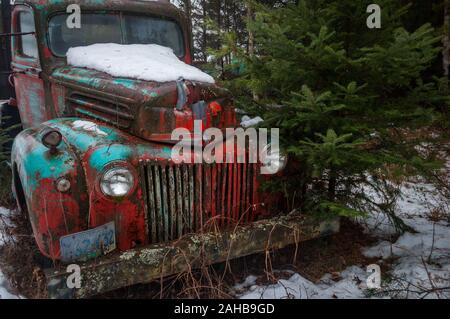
{"x": 28, "y": 44}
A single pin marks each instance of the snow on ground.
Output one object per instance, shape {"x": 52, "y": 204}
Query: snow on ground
{"x": 150, "y": 62}
{"x": 421, "y": 267}
{"x": 4, "y": 291}
{"x": 4, "y": 214}
{"x": 297, "y": 287}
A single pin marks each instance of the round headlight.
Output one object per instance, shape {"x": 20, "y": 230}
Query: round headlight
{"x": 273, "y": 160}
{"x": 117, "y": 182}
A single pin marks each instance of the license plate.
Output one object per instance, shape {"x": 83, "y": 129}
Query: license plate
{"x": 88, "y": 244}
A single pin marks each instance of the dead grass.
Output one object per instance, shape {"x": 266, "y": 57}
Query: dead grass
{"x": 312, "y": 259}
{"x": 6, "y": 198}
{"x": 19, "y": 258}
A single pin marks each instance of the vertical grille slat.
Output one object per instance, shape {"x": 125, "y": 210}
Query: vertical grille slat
{"x": 213, "y": 191}
{"x": 218, "y": 194}
{"x": 248, "y": 192}
{"x": 158, "y": 203}
{"x": 179, "y": 191}
{"x": 224, "y": 194}
{"x": 198, "y": 195}
{"x": 192, "y": 203}
{"x": 229, "y": 207}
{"x": 186, "y": 191}
{"x": 207, "y": 190}
{"x": 235, "y": 191}
{"x": 172, "y": 202}
{"x": 144, "y": 187}
{"x": 152, "y": 205}
{"x": 165, "y": 203}
{"x": 254, "y": 197}
{"x": 244, "y": 193}
{"x": 181, "y": 198}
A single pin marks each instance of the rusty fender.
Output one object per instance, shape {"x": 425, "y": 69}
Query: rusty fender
{"x": 153, "y": 262}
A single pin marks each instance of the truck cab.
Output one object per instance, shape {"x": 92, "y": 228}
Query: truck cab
{"x": 45, "y": 84}
{"x": 93, "y": 166}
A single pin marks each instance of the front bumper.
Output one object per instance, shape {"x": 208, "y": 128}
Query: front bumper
{"x": 146, "y": 264}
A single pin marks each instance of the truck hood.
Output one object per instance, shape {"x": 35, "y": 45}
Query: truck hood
{"x": 151, "y": 110}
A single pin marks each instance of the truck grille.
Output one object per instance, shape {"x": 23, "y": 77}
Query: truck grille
{"x": 182, "y": 199}
{"x": 85, "y": 106}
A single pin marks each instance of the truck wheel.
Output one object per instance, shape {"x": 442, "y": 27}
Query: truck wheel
{"x": 23, "y": 222}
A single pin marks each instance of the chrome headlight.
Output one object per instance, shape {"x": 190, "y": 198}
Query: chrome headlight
{"x": 117, "y": 182}
{"x": 273, "y": 159}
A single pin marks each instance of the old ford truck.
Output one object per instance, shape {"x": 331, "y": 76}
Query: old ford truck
{"x": 110, "y": 199}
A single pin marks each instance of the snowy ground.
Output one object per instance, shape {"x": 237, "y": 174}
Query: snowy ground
{"x": 421, "y": 267}
{"x": 4, "y": 292}
{"x": 421, "y": 261}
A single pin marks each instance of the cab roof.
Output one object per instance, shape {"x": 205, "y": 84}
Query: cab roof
{"x": 163, "y": 7}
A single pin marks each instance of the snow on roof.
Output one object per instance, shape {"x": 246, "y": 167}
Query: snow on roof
{"x": 150, "y": 62}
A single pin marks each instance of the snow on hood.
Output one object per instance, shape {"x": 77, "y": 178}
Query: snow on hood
{"x": 88, "y": 126}
{"x": 150, "y": 62}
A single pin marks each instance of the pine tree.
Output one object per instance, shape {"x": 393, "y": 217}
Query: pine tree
{"x": 344, "y": 97}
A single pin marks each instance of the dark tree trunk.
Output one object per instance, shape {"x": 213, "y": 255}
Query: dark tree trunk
{"x": 446, "y": 40}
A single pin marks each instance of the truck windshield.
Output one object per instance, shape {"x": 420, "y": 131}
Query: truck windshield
{"x": 114, "y": 28}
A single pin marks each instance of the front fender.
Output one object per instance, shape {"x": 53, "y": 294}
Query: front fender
{"x": 86, "y": 152}
{"x": 52, "y": 213}
{"x": 98, "y": 147}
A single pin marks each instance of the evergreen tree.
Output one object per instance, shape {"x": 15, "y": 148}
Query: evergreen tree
{"x": 345, "y": 98}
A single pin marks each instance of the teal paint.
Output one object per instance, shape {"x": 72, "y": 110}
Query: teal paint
{"x": 128, "y": 83}
{"x": 81, "y": 76}
{"x": 56, "y": 1}
{"x": 36, "y": 161}
{"x": 81, "y": 139}
{"x": 101, "y": 157}
{"x": 149, "y": 151}
{"x": 39, "y": 165}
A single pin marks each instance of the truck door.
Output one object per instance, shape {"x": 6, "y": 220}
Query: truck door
{"x": 25, "y": 64}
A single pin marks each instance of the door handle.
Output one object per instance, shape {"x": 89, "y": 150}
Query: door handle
{"x": 33, "y": 71}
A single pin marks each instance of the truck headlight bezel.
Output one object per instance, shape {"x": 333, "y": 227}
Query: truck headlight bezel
{"x": 117, "y": 181}
{"x": 271, "y": 159}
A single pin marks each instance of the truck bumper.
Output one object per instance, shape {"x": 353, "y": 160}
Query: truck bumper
{"x": 146, "y": 264}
